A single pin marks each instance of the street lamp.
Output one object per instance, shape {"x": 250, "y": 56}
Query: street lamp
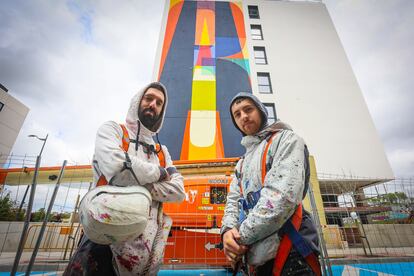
{"x": 27, "y": 188}
{"x": 29, "y": 207}
{"x": 41, "y": 139}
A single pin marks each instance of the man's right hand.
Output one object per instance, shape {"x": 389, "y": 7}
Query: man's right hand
{"x": 232, "y": 249}
{"x": 164, "y": 175}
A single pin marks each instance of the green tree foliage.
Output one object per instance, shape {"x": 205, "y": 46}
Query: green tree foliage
{"x": 8, "y": 210}
{"x": 38, "y": 216}
{"x": 397, "y": 198}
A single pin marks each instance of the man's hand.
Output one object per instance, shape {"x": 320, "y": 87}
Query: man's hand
{"x": 232, "y": 249}
{"x": 164, "y": 175}
{"x": 168, "y": 177}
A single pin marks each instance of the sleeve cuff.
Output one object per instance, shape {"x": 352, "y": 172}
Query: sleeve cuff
{"x": 223, "y": 231}
{"x": 163, "y": 174}
{"x": 171, "y": 170}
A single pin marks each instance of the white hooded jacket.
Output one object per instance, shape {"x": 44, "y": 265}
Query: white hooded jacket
{"x": 280, "y": 194}
{"x": 143, "y": 255}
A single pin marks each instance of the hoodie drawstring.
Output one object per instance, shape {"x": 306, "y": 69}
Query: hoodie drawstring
{"x": 159, "y": 143}
{"x": 137, "y": 137}
{"x": 148, "y": 149}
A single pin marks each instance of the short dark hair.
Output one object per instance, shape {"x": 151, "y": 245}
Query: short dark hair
{"x": 239, "y": 100}
{"x": 156, "y": 85}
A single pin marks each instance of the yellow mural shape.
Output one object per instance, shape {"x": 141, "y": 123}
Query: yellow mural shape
{"x": 204, "y": 95}
{"x": 204, "y": 132}
{"x": 202, "y": 153}
{"x": 205, "y": 40}
{"x": 205, "y": 28}
{"x": 174, "y": 2}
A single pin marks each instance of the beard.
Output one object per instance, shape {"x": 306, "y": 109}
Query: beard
{"x": 148, "y": 118}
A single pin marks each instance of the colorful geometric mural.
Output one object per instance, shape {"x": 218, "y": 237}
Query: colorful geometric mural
{"x": 212, "y": 35}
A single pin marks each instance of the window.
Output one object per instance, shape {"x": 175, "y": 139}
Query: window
{"x": 256, "y": 31}
{"x": 1, "y": 105}
{"x": 271, "y": 111}
{"x": 265, "y": 86}
{"x": 260, "y": 55}
{"x": 253, "y": 12}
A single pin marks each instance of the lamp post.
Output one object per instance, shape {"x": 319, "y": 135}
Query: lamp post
{"x": 29, "y": 207}
{"x": 28, "y": 186}
{"x": 41, "y": 139}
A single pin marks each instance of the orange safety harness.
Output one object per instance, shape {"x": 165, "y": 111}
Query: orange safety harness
{"x": 125, "y": 146}
{"x": 290, "y": 229}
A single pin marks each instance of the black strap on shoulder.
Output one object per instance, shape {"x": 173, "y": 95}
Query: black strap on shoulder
{"x": 127, "y": 166}
{"x": 239, "y": 173}
{"x": 307, "y": 171}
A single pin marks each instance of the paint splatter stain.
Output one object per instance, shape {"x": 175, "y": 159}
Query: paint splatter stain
{"x": 269, "y": 205}
{"x": 105, "y": 217}
{"x": 128, "y": 262}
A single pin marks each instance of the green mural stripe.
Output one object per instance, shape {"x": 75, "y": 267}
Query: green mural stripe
{"x": 243, "y": 63}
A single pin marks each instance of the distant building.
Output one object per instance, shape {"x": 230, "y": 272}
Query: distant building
{"x": 12, "y": 115}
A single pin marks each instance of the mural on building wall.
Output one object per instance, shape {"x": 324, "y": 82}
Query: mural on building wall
{"x": 204, "y": 63}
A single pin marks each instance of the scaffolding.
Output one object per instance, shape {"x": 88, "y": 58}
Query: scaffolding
{"x": 364, "y": 224}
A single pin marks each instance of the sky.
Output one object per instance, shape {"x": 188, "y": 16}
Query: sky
{"x": 76, "y": 64}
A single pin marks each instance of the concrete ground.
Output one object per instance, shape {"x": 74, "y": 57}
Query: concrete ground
{"x": 52, "y": 261}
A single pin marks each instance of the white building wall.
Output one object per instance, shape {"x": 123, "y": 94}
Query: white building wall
{"x": 12, "y": 117}
{"x": 314, "y": 88}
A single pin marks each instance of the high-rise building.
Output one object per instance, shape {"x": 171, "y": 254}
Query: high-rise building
{"x": 287, "y": 53}
{"x": 12, "y": 116}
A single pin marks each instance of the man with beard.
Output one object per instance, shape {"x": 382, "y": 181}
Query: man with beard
{"x": 265, "y": 197}
{"x": 126, "y": 155}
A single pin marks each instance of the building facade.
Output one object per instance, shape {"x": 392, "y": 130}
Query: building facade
{"x": 12, "y": 115}
{"x": 286, "y": 53}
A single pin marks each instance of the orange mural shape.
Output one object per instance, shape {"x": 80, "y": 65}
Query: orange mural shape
{"x": 173, "y": 16}
{"x": 205, "y": 27}
{"x": 186, "y": 139}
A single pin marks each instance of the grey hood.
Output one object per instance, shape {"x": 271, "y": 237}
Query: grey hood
{"x": 132, "y": 119}
{"x": 259, "y": 105}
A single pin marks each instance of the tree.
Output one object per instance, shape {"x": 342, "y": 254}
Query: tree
{"x": 5, "y": 208}
{"x": 8, "y": 210}
{"x": 397, "y": 198}
{"x": 39, "y": 215}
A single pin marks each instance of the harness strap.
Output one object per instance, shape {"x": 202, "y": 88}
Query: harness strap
{"x": 264, "y": 157}
{"x": 127, "y": 165}
{"x": 158, "y": 149}
{"x": 252, "y": 197}
{"x": 289, "y": 230}
{"x": 101, "y": 181}
{"x": 160, "y": 154}
{"x": 125, "y": 138}
{"x": 286, "y": 244}
{"x": 291, "y": 236}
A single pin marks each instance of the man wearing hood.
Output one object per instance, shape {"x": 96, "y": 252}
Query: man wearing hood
{"x": 142, "y": 255}
{"x": 255, "y": 212}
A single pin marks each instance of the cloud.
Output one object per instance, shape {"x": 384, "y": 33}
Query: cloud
{"x": 378, "y": 41}
{"x": 75, "y": 65}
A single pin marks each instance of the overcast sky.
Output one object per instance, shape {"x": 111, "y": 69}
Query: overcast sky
{"x": 76, "y": 64}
